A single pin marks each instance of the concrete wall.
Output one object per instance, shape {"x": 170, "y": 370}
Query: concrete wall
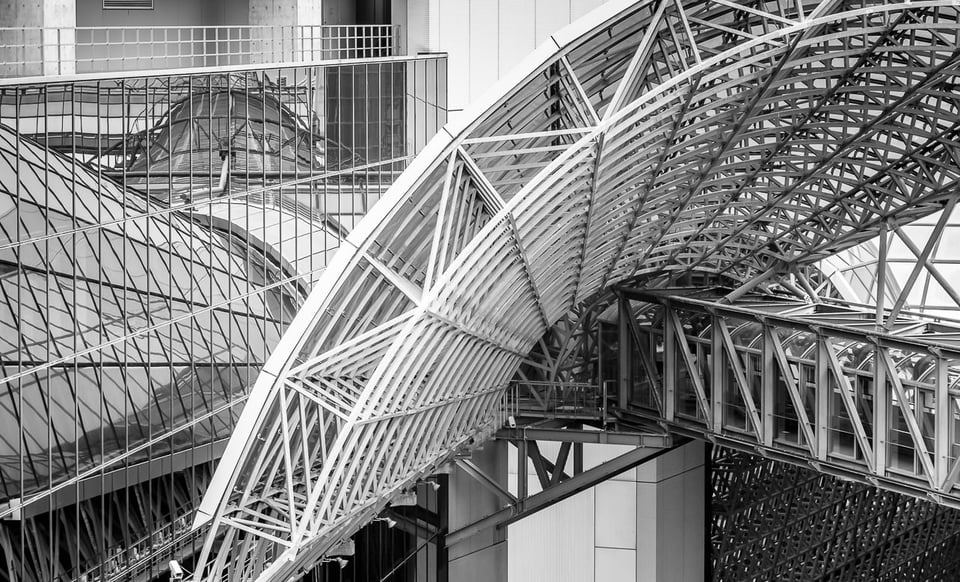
{"x": 34, "y": 13}
{"x": 166, "y": 13}
{"x": 29, "y": 53}
{"x": 646, "y": 524}
{"x": 286, "y": 12}
{"x": 357, "y": 11}
{"x": 485, "y": 38}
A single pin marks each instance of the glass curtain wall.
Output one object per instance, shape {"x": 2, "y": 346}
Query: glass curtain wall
{"x": 157, "y": 235}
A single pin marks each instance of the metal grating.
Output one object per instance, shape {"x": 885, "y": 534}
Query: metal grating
{"x": 128, "y": 4}
{"x": 776, "y": 521}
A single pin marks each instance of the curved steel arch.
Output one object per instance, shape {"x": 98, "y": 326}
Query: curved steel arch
{"x": 651, "y": 140}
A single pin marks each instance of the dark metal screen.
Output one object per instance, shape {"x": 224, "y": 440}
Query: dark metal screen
{"x": 777, "y": 521}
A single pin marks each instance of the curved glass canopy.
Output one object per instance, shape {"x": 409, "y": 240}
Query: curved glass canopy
{"x": 128, "y": 329}
{"x": 652, "y": 142}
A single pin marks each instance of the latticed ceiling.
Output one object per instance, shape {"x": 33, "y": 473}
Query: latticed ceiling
{"x": 650, "y": 141}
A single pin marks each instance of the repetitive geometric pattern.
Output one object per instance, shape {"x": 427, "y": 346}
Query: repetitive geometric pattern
{"x": 652, "y": 140}
{"x": 129, "y": 334}
{"x": 922, "y": 267}
{"x": 817, "y": 383}
{"x": 126, "y": 533}
{"x": 82, "y": 386}
{"x": 133, "y": 330}
{"x": 246, "y": 133}
{"x": 776, "y": 521}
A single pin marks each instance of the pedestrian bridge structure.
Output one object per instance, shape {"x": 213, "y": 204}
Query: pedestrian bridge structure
{"x": 747, "y": 205}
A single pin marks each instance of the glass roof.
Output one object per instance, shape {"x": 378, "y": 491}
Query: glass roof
{"x": 121, "y": 321}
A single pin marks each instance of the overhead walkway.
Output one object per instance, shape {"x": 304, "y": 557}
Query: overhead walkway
{"x": 655, "y": 144}
{"x": 817, "y": 383}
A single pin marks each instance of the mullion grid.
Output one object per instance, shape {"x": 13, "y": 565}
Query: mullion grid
{"x": 132, "y": 240}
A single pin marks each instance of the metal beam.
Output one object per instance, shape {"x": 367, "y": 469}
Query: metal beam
{"x": 471, "y": 468}
{"x": 600, "y": 437}
{"x": 559, "y": 492}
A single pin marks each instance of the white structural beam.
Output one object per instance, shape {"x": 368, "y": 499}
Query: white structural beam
{"x": 731, "y": 157}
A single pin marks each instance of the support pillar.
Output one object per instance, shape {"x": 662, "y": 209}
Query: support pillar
{"x": 288, "y": 40}
{"x": 45, "y": 45}
{"x": 483, "y": 556}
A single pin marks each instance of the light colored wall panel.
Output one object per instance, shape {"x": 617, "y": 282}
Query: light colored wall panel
{"x": 484, "y": 48}
{"x": 594, "y": 455}
{"x": 646, "y": 531}
{"x": 694, "y": 534}
{"x": 485, "y": 565}
{"x": 516, "y": 32}
{"x": 680, "y": 460}
{"x": 616, "y": 507}
{"x": 615, "y": 565}
{"x": 455, "y": 40}
{"x": 166, "y": 12}
{"x": 485, "y": 39}
{"x": 551, "y": 16}
{"x": 680, "y": 516}
{"x": 554, "y": 545}
{"x": 580, "y": 7}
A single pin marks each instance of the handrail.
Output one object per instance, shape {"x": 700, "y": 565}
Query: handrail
{"x": 32, "y": 51}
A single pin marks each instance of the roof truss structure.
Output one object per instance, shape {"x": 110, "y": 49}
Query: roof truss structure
{"x": 650, "y": 141}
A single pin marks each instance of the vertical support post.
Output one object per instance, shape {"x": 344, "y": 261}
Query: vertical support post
{"x": 822, "y": 393}
{"x": 669, "y": 366}
{"x": 768, "y": 380}
{"x": 599, "y": 347}
{"x": 522, "y": 469}
{"x": 443, "y": 511}
{"x": 717, "y": 375}
{"x": 942, "y": 420}
{"x": 882, "y": 272}
{"x": 577, "y": 458}
{"x": 880, "y": 406}
{"x": 625, "y": 344}
{"x": 708, "y": 513}
{"x": 603, "y": 409}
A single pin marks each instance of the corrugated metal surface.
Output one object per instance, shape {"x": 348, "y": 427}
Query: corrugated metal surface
{"x": 554, "y": 545}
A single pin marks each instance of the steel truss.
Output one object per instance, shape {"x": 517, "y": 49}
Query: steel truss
{"x": 819, "y": 384}
{"x": 776, "y": 521}
{"x": 654, "y": 141}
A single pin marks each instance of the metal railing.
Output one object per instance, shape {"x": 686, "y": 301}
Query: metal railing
{"x": 555, "y": 400}
{"x": 28, "y": 52}
{"x": 126, "y": 563}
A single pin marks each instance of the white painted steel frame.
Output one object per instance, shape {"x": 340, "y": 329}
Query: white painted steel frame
{"x": 866, "y": 376}
{"x": 648, "y": 141}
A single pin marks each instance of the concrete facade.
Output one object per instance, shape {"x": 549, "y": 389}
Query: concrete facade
{"x": 286, "y": 12}
{"x": 647, "y": 523}
{"x": 166, "y": 13}
{"x": 47, "y": 48}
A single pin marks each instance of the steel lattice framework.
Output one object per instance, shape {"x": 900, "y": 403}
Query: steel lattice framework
{"x": 776, "y": 521}
{"x": 649, "y": 142}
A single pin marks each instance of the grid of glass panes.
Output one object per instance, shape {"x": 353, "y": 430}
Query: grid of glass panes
{"x": 157, "y": 235}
